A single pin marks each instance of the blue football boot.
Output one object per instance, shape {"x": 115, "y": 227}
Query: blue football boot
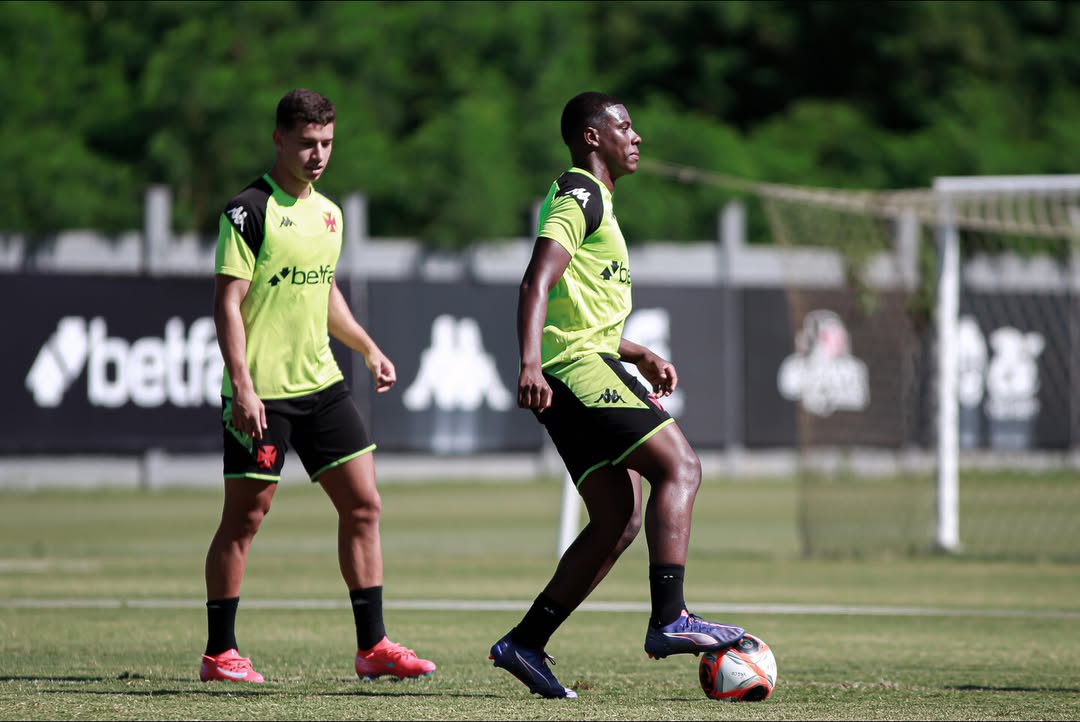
{"x": 530, "y": 667}
{"x": 690, "y": 634}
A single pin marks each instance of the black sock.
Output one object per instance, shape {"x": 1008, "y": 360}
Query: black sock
{"x": 539, "y": 623}
{"x": 367, "y": 612}
{"x": 221, "y": 625}
{"x": 666, "y": 591}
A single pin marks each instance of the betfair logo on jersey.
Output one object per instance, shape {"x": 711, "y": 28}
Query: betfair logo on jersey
{"x": 616, "y": 270}
{"x": 299, "y": 277}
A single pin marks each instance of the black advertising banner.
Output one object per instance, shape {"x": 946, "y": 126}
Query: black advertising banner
{"x": 454, "y": 346}
{"x": 769, "y": 419}
{"x": 109, "y": 364}
{"x": 456, "y": 354}
{"x": 823, "y": 368}
{"x": 112, "y": 364}
{"x": 1015, "y": 370}
{"x": 686, "y": 326}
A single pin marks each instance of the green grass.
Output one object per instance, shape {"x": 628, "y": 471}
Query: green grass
{"x": 923, "y": 637}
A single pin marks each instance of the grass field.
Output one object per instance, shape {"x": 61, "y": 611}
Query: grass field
{"x": 102, "y": 616}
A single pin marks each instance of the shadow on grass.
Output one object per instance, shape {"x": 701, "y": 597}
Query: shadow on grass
{"x": 991, "y": 688}
{"x": 231, "y": 690}
{"x": 261, "y": 692}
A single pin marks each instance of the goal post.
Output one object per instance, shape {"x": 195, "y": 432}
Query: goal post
{"x": 1031, "y": 205}
{"x": 957, "y": 318}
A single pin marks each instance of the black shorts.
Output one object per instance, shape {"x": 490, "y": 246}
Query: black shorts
{"x": 325, "y": 428}
{"x": 599, "y": 413}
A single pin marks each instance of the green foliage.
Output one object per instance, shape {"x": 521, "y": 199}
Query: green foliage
{"x": 448, "y": 111}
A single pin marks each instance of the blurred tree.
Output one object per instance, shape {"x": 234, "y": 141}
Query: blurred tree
{"x": 449, "y": 111}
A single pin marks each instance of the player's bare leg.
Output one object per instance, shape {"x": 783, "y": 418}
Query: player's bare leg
{"x": 247, "y": 502}
{"x": 353, "y": 491}
{"x": 674, "y": 473}
{"x": 612, "y": 498}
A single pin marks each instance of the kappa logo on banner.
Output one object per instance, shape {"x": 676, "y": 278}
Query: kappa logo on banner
{"x": 651, "y": 327}
{"x": 182, "y": 368}
{"x": 456, "y": 373}
{"x": 823, "y": 373}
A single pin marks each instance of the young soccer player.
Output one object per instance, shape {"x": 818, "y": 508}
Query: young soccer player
{"x": 609, "y": 429}
{"x": 276, "y": 302}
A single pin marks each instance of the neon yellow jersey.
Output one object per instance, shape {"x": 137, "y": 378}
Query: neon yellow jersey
{"x": 588, "y": 306}
{"x": 288, "y": 249}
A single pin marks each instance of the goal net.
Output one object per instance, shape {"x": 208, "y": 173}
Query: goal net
{"x": 936, "y": 376}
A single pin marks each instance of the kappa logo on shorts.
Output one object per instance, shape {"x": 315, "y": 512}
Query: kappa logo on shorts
{"x": 266, "y": 456}
{"x": 610, "y": 396}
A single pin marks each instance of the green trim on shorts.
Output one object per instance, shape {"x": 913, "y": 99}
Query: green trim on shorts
{"x": 591, "y": 469}
{"x": 626, "y": 453}
{"x": 260, "y": 477}
{"x": 339, "y": 462}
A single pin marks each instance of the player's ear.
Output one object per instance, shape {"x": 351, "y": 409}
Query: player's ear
{"x": 279, "y": 138}
{"x": 591, "y": 136}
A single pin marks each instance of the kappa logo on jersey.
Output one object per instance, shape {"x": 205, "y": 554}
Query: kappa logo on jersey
{"x": 237, "y": 215}
{"x": 581, "y": 195}
{"x": 182, "y": 368}
{"x": 331, "y": 221}
{"x": 286, "y": 222}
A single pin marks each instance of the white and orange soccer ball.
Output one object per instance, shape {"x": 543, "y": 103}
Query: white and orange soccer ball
{"x": 744, "y": 672}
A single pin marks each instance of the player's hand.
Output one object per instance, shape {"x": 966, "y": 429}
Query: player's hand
{"x": 249, "y": 413}
{"x": 659, "y": 372}
{"x": 533, "y": 389}
{"x": 382, "y": 370}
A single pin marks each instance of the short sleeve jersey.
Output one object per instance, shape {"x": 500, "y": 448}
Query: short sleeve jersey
{"x": 288, "y": 249}
{"x": 588, "y": 306}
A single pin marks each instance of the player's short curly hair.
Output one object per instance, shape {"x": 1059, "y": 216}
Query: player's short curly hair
{"x": 582, "y": 111}
{"x": 302, "y": 107}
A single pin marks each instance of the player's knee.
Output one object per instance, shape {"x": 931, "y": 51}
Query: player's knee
{"x": 365, "y": 513}
{"x": 630, "y": 532}
{"x": 253, "y": 520}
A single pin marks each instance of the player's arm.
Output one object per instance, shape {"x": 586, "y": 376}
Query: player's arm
{"x": 343, "y": 326}
{"x": 658, "y": 371}
{"x": 249, "y": 414}
{"x": 547, "y": 265}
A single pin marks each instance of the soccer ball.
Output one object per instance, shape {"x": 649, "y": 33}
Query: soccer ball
{"x": 744, "y": 672}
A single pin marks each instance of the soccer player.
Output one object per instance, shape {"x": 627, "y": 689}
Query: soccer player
{"x": 276, "y": 302}
{"x": 608, "y": 428}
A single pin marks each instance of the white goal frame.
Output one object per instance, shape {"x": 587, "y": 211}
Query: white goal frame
{"x": 947, "y": 212}
{"x": 948, "y": 190}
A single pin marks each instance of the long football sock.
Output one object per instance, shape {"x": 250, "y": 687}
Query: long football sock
{"x": 539, "y": 623}
{"x": 666, "y": 592}
{"x": 221, "y": 625}
{"x": 368, "y": 614}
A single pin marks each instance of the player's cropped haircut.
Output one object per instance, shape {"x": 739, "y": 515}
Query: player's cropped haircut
{"x": 582, "y": 111}
{"x": 302, "y": 107}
